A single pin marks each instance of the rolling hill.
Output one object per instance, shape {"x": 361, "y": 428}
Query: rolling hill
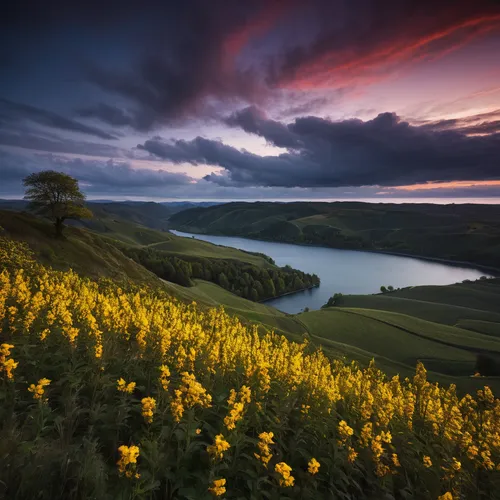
{"x": 466, "y": 233}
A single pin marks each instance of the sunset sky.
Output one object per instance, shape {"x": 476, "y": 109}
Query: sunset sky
{"x": 277, "y": 99}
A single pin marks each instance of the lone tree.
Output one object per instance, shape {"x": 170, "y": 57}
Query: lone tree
{"x": 56, "y": 196}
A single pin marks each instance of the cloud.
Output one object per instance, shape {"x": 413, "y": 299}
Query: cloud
{"x": 108, "y": 113}
{"x": 254, "y": 121}
{"x": 32, "y": 139}
{"x": 15, "y": 112}
{"x": 479, "y": 124}
{"x": 96, "y": 176}
{"x": 364, "y": 45}
{"x": 165, "y": 62}
{"x": 181, "y": 70}
{"x": 385, "y": 151}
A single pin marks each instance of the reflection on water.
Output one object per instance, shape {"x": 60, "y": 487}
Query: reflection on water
{"x": 344, "y": 271}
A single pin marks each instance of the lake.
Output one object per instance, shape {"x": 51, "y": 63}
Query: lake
{"x": 345, "y": 271}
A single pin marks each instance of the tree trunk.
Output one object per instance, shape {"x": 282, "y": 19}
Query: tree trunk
{"x": 58, "y": 224}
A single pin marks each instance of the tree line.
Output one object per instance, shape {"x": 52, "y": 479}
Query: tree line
{"x": 243, "y": 279}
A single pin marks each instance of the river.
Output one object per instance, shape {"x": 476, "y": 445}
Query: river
{"x": 345, "y": 271}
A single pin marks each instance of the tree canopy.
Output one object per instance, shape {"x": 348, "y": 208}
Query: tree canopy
{"x": 56, "y": 196}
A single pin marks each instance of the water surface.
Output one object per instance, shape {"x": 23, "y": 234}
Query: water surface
{"x": 344, "y": 271}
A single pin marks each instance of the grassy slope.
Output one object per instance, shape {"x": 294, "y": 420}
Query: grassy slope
{"x": 457, "y": 304}
{"x": 92, "y": 255}
{"x": 397, "y": 341}
{"x": 81, "y": 250}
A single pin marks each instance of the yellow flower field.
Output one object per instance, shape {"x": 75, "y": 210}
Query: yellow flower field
{"x": 110, "y": 391}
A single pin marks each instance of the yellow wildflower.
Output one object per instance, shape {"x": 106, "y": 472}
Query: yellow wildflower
{"x": 427, "y": 461}
{"x": 313, "y": 466}
{"x": 366, "y": 434}
{"x": 485, "y": 460}
{"x": 382, "y": 470}
{"x": 218, "y": 487}
{"x": 456, "y": 465}
{"x": 165, "y": 373}
{"x": 122, "y": 386}
{"x": 128, "y": 461}
{"x": 5, "y": 351}
{"x": 395, "y": 460}
{"x": 377, "y": 448}
{"x": 38, "y": 389}
{"x": 9, "y": 366}
{"x": 190, "y": 393}
{"x": 386, "y": 437}
{"x": 236, "y": 402}
{"x": 446, "y": 496}
{"x": 352, "y": 454}
{"x": 284, "y": 471}
{"x": 265, "y": 440}
{"x": 148, "y": 408}
{"x": 344, "y": 431}
{"x": 216, "y": 450}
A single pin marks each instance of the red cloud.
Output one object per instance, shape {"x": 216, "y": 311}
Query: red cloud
{"x": 256, "y": 26}
{"x": 353, "y": 64}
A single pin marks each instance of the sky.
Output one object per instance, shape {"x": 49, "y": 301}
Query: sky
{"x": 262, "y": 99}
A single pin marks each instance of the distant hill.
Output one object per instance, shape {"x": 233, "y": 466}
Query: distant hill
{"x": 468, "y": 233}
{"x": 150, "y": 214}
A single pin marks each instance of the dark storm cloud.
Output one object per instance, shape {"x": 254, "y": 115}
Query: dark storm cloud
{"x": 254, "y": 121}
{"x": 95, "y": 175}
{"x": 201, "y": 52}
{"x": 108, "y": 113}
{"x": 115, "y": 175}
{"x": 31, "y": 138}
{"x": 384, "y": 151}
{"x": 13, "y": 111}
{"x": 173, "y": 60}
{"x": 181, "y": 63}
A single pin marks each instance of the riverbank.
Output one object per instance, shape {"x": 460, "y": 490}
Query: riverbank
{"x": 288, "y": 293}
{"x": 458, "y": 263}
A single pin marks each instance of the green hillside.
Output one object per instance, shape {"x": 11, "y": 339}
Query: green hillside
{"x": 468, "y": 233}
{"x": 95, "y": 256}
{"x": 85, "y": 252}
